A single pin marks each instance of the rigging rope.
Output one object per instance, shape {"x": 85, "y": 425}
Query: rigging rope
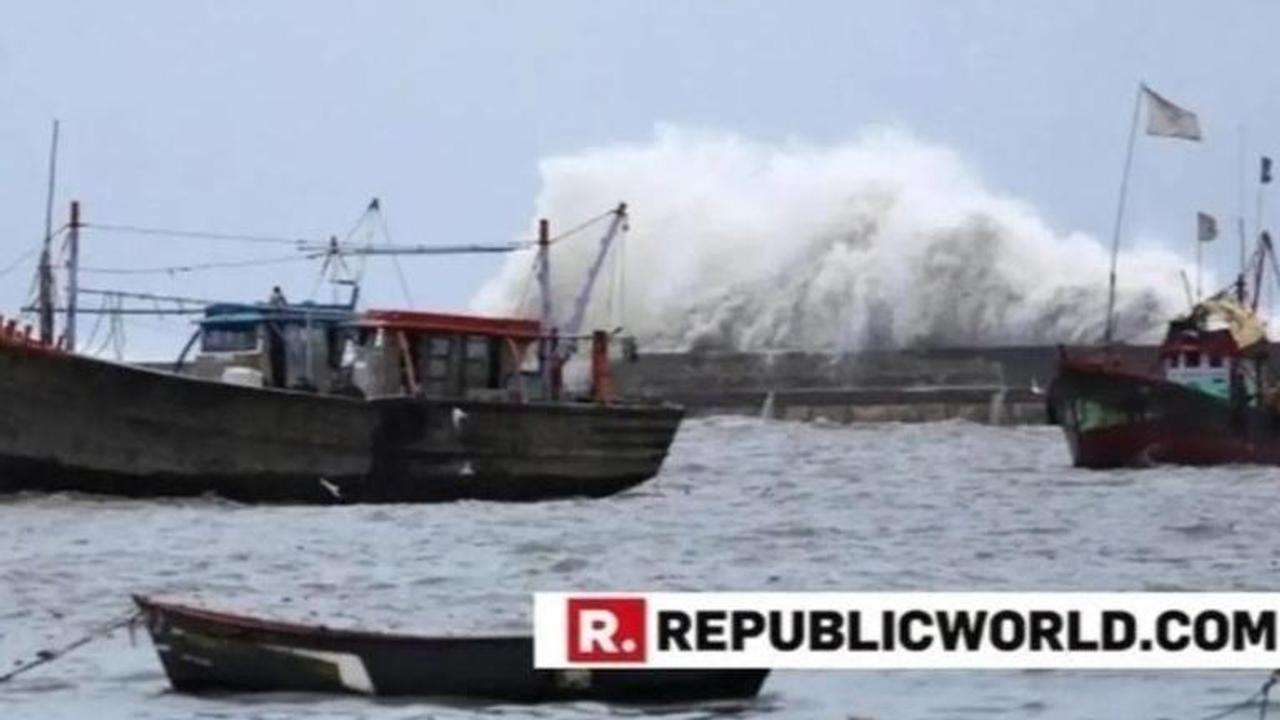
{"x": 198, "y": 234}
{"x": 118, "y": 330}
{"x": 115, "y": 336}
{"x": 20, "y": 259}
{"x": 97, "y": 323}
{"x": 48, "y": 656}
{"x": 176, "y": 269}
{"x": 333, "y": 262}
{"x": 178, "y": 299}
{"x": 617, "y": 279}
{"x": 32, "y": 294}
{"x": 580, "y": 227}
{"x": 32, "y": 291}
{"x": 528, "y": 282}
{"x": 358, "y": 275}
{"x": 109, "y": 304}
{"x": 404, "y": 283}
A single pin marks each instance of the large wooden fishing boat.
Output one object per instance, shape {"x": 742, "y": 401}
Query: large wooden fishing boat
{"x": 321, "y": 403}
{"x": 206, "y": 651}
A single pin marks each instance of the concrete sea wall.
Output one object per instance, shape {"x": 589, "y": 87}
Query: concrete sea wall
{"x": 1003, "y": 385}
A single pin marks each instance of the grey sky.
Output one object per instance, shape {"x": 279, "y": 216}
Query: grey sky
{"x": 285, "y": 117}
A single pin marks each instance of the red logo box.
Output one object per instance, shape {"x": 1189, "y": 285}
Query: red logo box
{"x": 607, "y": 630}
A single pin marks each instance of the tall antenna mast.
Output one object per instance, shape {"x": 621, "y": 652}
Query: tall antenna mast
{"x": 46, "y": 256}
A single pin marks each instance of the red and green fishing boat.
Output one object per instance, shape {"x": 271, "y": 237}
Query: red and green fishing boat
{"x": 1204, "y": 398}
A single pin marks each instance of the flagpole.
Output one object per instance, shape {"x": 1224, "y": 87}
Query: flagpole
{"x": 1115, "y": 235}
{"x": 1199, "y": 255}
{"x": 1240, "y": 197}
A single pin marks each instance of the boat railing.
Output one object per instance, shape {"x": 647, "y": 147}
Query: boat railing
{"x": 25, "y": 337}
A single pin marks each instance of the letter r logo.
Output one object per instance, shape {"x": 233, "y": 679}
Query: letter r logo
{"x": 606, "y": 630}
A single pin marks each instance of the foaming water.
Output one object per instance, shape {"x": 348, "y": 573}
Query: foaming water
{"x": 742, "y": 504}
{"x": 882, "y": 241}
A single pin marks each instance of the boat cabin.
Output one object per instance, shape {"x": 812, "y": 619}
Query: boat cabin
{"x": 386, "y": 353}
{"x": 443, "y": 355}
{"x": 397, "y": 352}
{"x": 1218, "y": 341}
{"x": 281, "y": 345}
{"x": 1201, "y": 361}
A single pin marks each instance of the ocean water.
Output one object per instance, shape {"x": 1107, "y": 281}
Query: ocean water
{"x": 742, "y": 504}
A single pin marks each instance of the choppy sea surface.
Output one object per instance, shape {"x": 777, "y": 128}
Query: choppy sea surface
{"x": 741, "y": 504}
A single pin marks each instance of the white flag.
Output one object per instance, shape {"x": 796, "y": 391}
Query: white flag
{"x": 1206, "y": 227}
{"x": 1168, "y": 120}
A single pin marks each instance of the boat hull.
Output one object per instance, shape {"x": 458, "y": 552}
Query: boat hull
{"x": 76, "y": 423}
{"x": 1115, "y": 416}
{"x": 203, "y": 652}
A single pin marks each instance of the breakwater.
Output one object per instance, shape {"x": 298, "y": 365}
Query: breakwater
{"x": 999, "y": 385}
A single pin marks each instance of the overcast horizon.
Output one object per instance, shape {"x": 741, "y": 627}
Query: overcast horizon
{"x": 285, "y": 118}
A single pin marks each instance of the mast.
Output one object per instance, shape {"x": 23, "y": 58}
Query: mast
{"x": 1264, "y": 250}
{"x": 574, "y": 325}
{"x": 1264, "y": 237}
{"x": 1115, "y": 234}
{"x": 544, "y": 287}
{"x": 1240, "y": 226}
{"x": 73, "y": 276}
{"x": 1199, "y": 262}
{"x": 45, "y": 302}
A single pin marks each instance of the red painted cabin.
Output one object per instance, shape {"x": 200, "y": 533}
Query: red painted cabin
{"x": 450, "y": 355}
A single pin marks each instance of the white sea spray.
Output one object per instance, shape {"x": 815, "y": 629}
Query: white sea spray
{"x": 881, "y": 241}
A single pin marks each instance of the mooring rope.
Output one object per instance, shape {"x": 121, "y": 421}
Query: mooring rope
{"x": 1262, "y": 698}
{"x": 44, "y": 657}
